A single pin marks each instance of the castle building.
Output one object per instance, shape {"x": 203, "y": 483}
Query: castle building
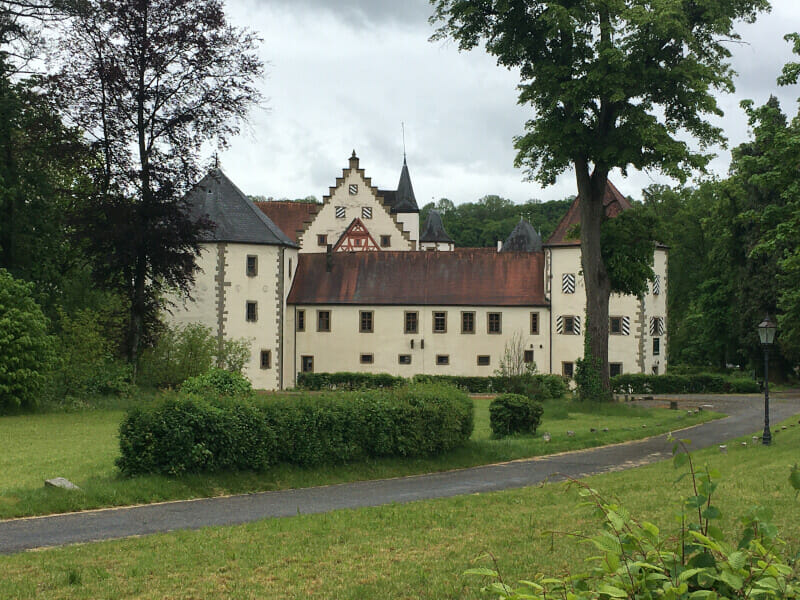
{"x": 354, "y": 284}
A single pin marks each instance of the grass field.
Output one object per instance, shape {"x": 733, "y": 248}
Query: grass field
{"x": 82, "y": 447}
{"x": 419, "y": 550}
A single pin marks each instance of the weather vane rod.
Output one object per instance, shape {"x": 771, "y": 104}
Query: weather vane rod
{"x": 403, "y": 129}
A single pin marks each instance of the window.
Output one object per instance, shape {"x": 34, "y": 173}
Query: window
{"x": 322, "y": 240}
{"x": 266, "y": 359}
{"x": 656, "y": 325}
{"x": 366, "y": 212}
{"x": 568, "y": 283}
{"x": 442, "y": 359}
{"x": 252, "y": 265}
{"x": 567, "y": 369}
{"x": 615, "y": 326}
{"x": 307, "y": 364}
{"x": 290, "y": 267}
{"x": 656, "y": 285}
{"x": 494, "y": 322}
{"x": 614, "y": 369}
{"x": 440, "y": 322}
{"x": 483, "y": 360}
{"x": 323, "y": 320}
{"x": 411, "y": 324}
{"x": 404, "y": 359}
{"x": 528, "y": 356}
{"x": 341, "y": 212}
{"x": 534, "y": 323}
{"x": 386, "y": 241}
{"x": 467, "y": 322}
{"x": 353, "y": 189}
{"x": 251, "y": 311}
{"x": 365, "y": 321}
{"x": 301, "y": 320}
{"x": 656, "y": 346}
{"x": 367, "y": 359}
{"x": 568, "y": 325}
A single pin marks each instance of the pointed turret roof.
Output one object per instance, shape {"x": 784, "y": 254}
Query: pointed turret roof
{"x": 236, "y": 217}
{"x": 404, "y": 200}
{"x": 433, "y": 231}
{"x": 524, "y": 238}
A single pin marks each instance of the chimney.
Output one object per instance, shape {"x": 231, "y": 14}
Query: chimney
{"x": 329, "y": 258}
{"x": 499, "y": 245}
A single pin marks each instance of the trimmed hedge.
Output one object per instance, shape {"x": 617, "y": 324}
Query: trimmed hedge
{"x": 543, "y": 387}
{"x": 514, "y": 413}
{"x": 347, "y": 381}
{"x": 705, "y": 383}
{"x": 186, "y": 433}
{"x": 218, "y": 383}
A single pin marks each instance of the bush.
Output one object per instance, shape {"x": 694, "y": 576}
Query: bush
{"x": 188, "y": 433}
{"x": 701, "y": 383}
{"x": 543, "y": 387}
{"x": 347, "y": 381}
{"x": 26, "y": 349}
{"x": 514, "y": 413}
{"x": 218, "y": 383}
{"x": 187, "y": 351}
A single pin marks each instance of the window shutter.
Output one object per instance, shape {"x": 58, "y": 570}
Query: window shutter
{"x": 340, "y": 212}
{"x": 657, "y": 285}
{"x": 366, "y": 212}
{"x": 626, "y": 325}
{"x": 577, "y": 325}
{"x": 559, "y": 324}
{"x": 568, "y": 283}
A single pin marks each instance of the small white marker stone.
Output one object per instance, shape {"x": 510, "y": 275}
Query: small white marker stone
{"x": 546, "y": 436}
{"x": 724, "y": 449}
{"x": 61, "y": 482}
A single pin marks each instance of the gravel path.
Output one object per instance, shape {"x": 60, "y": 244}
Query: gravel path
{"x": 745, "y": 417}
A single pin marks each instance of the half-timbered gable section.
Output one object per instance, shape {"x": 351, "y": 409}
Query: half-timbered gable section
{"x": 356, "y": 238}
{"x": 354, "y": 197}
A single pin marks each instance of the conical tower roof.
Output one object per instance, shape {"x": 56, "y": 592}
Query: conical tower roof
{"x": 433, "y": 231}
{"x": 524, "y": 238}
{"x": 404, "y": 200}
{"x": 236, "y": 218}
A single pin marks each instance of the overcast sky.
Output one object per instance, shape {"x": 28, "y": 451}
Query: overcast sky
{"x": 343, "y": 75}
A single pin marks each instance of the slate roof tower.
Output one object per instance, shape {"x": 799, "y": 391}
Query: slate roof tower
{"x": 524, "y": 238}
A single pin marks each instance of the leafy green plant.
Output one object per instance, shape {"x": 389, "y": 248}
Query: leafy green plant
{"x": 217, "y": 383}
{"x": 635, "y": 560}
{"x": 588, "y": 376}
{"x": 26, "y": 348}
{"x": 514, "y": 413}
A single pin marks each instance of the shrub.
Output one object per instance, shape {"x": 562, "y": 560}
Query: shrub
{"x": 544, "y": 387}
{"x": 188, "y": 433}
{"x": 699, "y": 383}
{"x": 216, "y": 383}
{"x": 186, "y": 351}
{"x": 635, "y": 560}
{"x": 26, "y": 349}
{"x": 347, "y": 381}
{"x": 514, "y": 413}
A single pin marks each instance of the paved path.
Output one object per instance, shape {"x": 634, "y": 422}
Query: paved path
{"x": 746, "y": 416}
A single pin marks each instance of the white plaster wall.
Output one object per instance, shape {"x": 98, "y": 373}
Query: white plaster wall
{"x": 381, "y": 223}
{"x": 438, "y": 246}
{"x": 656, "y": 306}
{"x": 340, "y": 349}
{"x": 202, "y": 306}
{"x": 410, "y": 224}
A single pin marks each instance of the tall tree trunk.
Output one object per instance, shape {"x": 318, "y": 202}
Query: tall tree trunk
{"x": 591, "y": 189}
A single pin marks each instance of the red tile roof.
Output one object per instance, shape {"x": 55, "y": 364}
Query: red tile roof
{"x": 290, "y": 217}
{"x": 614, "y": 203}
{"x": 468, "y": 277}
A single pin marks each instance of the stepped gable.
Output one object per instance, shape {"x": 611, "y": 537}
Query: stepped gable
{"x": 434, "y": 231}
{"x": 524, "y": 238}
{"x": 466, "y": 277}
{"x": 236, "y": 217}
{"x": 403, "y": 199}
{"x": 290, "y": 217}
{"x": 614, "y": 203}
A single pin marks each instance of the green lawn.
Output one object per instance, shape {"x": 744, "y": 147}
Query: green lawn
{"x": 419, "y": 550}
{"x": 82, "y": 447}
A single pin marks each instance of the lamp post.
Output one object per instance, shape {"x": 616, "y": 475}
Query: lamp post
{"x": 766, "y": 333}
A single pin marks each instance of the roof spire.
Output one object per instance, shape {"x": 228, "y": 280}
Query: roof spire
{"x": 403, "y": 130}
{"x": 216, "y": 160}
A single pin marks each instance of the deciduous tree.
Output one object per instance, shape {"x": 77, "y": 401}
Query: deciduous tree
{"x": 612, "y": 84}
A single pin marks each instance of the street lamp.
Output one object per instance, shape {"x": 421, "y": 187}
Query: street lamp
{"x": 766, "y": 333}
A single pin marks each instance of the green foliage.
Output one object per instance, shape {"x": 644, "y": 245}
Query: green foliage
{"x": 514, "y": 413}
{"x": 189, "y": 433}
{"x": 512, "y": 362}
{"x": 635, "y": 560}
{"x": 187, "y": 351}
{"x": 345, "y": 380}
{"x": 218, "y": 383}
{"x": 627, "y": 243}
{"x": 701, "y": 383}
{"x": 26, "y": 348}
{"x": 588, "y": 376}
{"x": 540, "y": 386}
{"x": 88, "y": 365}
{"x": 481, "y": 224}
